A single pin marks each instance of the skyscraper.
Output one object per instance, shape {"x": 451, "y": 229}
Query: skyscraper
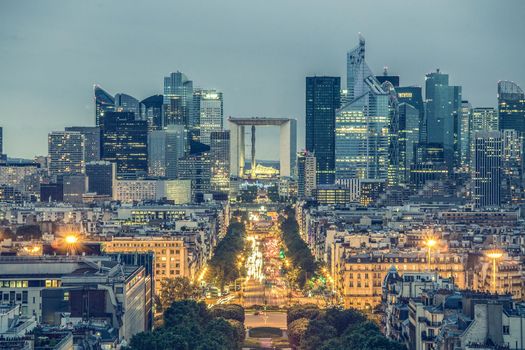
{"x": 165, "y": 147}
{"x": 392, "y": 79}
{"x": 409, "y": 118}
{"x": 362, "y": 126}
{"x": 511, "y": 106}
{"x": 178, "y": 100}
{"x": 323, "y": 97}
{"x": 220, "y": 161}
{"x": 394, "y": 172}
{"x": 512, "y": 167}
{"x": 91, "y": 141}
{"x": 208, "y": 110}
{"x": 197, "y": 168}
{"x": 66, "y": 153}
{"x": 101, "y": 175}
{"x": 306, "y": 177}
{"x": 362, "y": 136}
{"x": 127, "y": 103}
{"x": 465, "y": 124}
{"x": 153, "y": 111}
{"x": 443, "y": 108}
{"x": 125, "y": 142}
{"x": 414, "y": 97}
{"x": 3, "y": 157}
{"x": 482, "y": 119}
{"x": 104, "y": 102}
{"x": 488, "y": 152}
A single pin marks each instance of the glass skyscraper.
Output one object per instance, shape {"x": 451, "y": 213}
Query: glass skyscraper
{"x": 323, "y": 98}
{"x": 408, "y": 139}
{"x": 443, "y": 108}
{"x": 362, "y": 136}
{"x": 66, "y": 153}
{"x": 153, "y": 111}
{"x": 511, "y": 106}
{"x": 104, "y": 102}
{"x": 220, "y": 161}
{"x": 487, "y": 171}
{"x": 165, "y": 147}
{"x": 91, "y": 141}
{"x": 465, "y": 125}
{"x": 178, "y": 100}
{"x": 125, "y": 142}
{"x": 127, "y": 103}
{"x": 208, "y": 109}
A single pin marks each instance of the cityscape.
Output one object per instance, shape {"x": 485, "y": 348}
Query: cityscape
{"x": 387, "y": 215}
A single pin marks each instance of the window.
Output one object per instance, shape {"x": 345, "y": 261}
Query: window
{"x": 66, "y": 296}
{"x": 506, "y": 330}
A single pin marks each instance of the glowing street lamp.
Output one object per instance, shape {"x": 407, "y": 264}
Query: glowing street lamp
{"x": 71, "y": 240}
{"x": 430, "y": 243}
{"x": 494, "y": 255}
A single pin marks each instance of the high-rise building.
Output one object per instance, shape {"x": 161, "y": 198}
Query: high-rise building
{"x": 66, "y": 153}
{"x": 165, "y": 147}
{"x": 153, "y": 111}
{"x": 100, "y": 177}
{"x": 306, "y": 174}
{"x": 125, "y": 142}
{"x": 127, "y": 103}
{"x": 512, "y": 167}
{"x": 91, "y": 141}
{"x": 208, "y": 113}
{"x": 1, "y": 140}
{"x": 443, "y": 108}
{"x": 220, "y": 161}
{"x": 409, "y": 122}
{"x": 465, "y": 124}
{"x": 323, "y": 97}
{"x": 482, "y": 119}
{"x": 196, "y": 167}
{"x": 392, "y": 79}
{"x": 362, "y": 127}
{"x": 178, "y": 100}
{"x": 511, "y": 106}
{"x": 394, "y": 173}
{"x": 104, "y": 102}
{"x": 487, "y": 170}
{"x": 414, "y": 97}
{"x": 74, "y": 186}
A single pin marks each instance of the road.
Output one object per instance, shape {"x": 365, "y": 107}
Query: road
{"x": 264, "y": 284}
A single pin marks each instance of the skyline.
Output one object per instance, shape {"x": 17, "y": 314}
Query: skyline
{"x": 58, "y": 76}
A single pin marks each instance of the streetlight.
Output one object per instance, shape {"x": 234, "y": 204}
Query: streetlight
{"x": 430, "y": 243}
{"x": 71, "y": 240}
{"x": 494, "y": 255}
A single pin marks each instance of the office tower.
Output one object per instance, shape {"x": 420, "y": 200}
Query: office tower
{"x": 1, "y": 140}
{"x": 394, "y": 172}
{"x": 127, "y": 103}
{"x": 66, "y": 153}
{"x": 165, "y": 147}
{"x": 100, "y": 177}
{"x": 414, "y": 97}
{"x": 197, "y": 168}
{"x": 220, "y": 161}
{"x": 482, "y": 119}
{"x": 357, "y": 71}
{"x": 512, "y": 167}
{"x": 409, "y": 118}
{"x": 176, "y": 191}
{"x": 153, "y": 111}
{"x": 178, "y": 100}
{"x": 306, "y": 174}
{"x": 392, "y": 79}
{"x": 362, "y": 135}
{"x": 487, "y": 172}
{"x": 465, "y": 124}
{"x": 73, "y": 187}
{"x": 125, "y": 142}
{"x": 511, "y": 106}
{"x": 91, "y": 141}
{"x": 443, "y": 108}
{"x": 208, "y": 113}
{"x": 323, "y": 97}
{"x": 104, "y": 102}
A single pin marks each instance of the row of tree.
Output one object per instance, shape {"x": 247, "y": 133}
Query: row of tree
{"x": 303, "y": 262}
{"x": 190, "y": 325}
{"x": 222, "y": 267}
{"x": 310, "y": 328}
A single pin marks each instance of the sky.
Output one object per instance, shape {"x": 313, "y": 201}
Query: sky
{"x": 257, "y": 52}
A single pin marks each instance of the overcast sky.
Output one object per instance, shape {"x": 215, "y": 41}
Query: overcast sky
{"x": 257, "y": 52}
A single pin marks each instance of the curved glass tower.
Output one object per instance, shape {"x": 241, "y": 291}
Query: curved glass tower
{"x": 104, "y": 102}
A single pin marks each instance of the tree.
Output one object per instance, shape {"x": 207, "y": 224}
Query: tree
{"x": 228, "y": 311}
{"x": 308, "y": 311}
{"x": 186, "y": 312}
{"x": 316, "y": 334}
{"x": 174, "y": 289}
{"x": 297, "y": 330}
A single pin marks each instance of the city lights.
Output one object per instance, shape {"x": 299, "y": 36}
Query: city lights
{"x": 494, "y": 255}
